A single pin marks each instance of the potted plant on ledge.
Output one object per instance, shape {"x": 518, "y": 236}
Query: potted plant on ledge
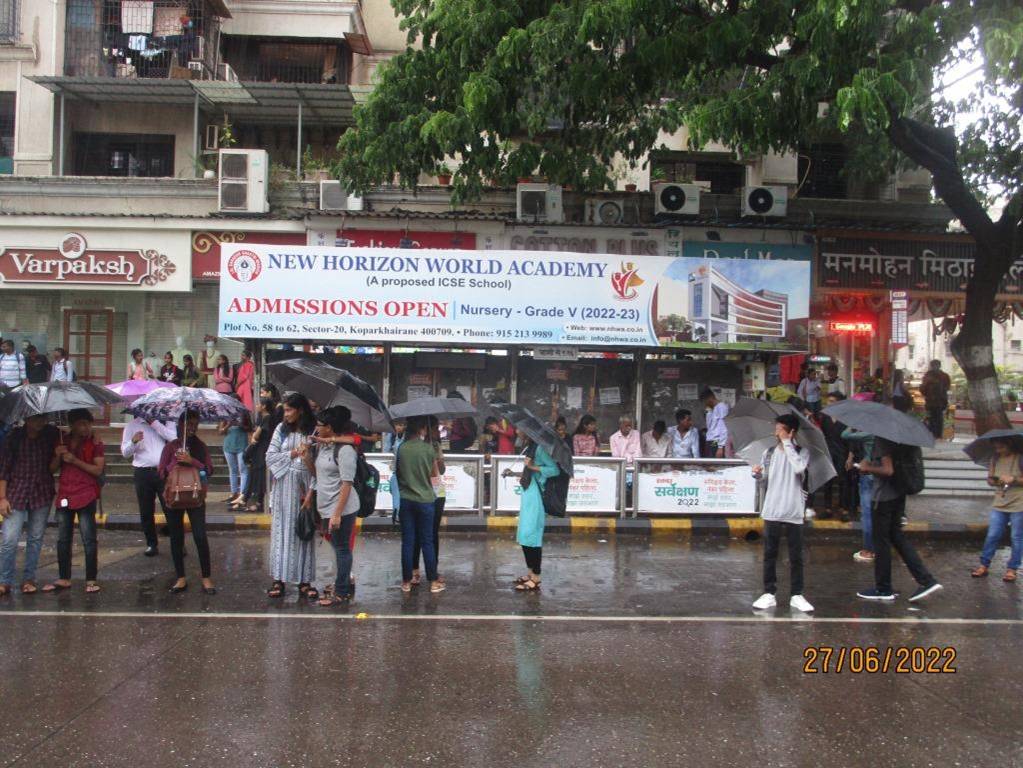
{"x": 314, "y": 168}
{"x": 444, "y": 176}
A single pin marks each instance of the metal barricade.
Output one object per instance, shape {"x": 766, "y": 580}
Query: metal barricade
{"x": 463, "y": 482}
{"x": 597, "y": 488}
{"x": 693, "y": 487}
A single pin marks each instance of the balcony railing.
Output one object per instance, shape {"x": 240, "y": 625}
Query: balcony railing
{"x": 277, "y": 61}
{"x": 141, "y": 38}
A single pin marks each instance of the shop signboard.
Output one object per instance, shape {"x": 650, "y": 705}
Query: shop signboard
{"x": 697, "y": 489}
{"x": 107, "y": 259}
{"x": 900, "y": 318}
{"x": 206, "y": 248}
{"x": 509, "y": 298}
{"x": 593, "y": 487}
{"x": 460, "y": 485}
{"x": 390, "y": 238}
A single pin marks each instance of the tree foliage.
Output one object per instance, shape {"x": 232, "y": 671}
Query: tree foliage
{"x": 511, "y": 88}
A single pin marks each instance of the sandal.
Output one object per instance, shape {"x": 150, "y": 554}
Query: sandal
{"x": 57, "y": 586}
{"x": 5, "y": 589}
{"x": 312, "y": 593}
{"x": 276, "y": 589}
{"x": 91, "y": 588}
{"x": 521, "y": 580}
{"x": 437, "y": 586}
{"x": 527, "y": 586}
{"x": 29, "y": 588}
{"x": 1010, "y": 575}
{"x": 979, "y": 571}
{"x": 406, "y": 586}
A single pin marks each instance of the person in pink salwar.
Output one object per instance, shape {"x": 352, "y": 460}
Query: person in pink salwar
{"x": 244, "y": 379}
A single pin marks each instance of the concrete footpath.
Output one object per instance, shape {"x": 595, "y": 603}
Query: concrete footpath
{"x": 928, "y": 517}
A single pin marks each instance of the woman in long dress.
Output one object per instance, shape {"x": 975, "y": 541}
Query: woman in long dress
{"x": 291, "y": 559}
{"x": 532, "y": 515}
{"x": 245, "y": 378}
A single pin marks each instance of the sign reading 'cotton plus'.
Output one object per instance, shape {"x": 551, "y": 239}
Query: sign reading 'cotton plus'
{"x": 385, "y": 294}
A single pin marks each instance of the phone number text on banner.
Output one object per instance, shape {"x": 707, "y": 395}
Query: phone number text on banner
{"x": 393, "y": 294}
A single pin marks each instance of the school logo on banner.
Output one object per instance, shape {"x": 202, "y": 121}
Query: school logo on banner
{"x": 624, "y": 281}
{"x": 244, "y": 266}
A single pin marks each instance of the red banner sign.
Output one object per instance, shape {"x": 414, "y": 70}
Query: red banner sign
{"x": 72, "y": 261}
{"x": 206, "y": 248}
{"x": 851, "y": 326}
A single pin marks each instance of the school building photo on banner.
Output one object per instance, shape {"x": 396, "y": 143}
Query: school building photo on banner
{"x": 733, "y": 303}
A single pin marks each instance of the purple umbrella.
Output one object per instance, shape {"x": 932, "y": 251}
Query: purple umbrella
{"x": 132, "y": 389}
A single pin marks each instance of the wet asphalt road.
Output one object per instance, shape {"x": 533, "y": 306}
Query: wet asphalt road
{"x": 635, "y": 653}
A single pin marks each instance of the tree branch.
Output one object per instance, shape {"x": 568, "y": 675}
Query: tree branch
{"x": 935, "y": 150}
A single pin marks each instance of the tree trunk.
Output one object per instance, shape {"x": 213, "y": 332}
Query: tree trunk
{"x": 972, "y": 347}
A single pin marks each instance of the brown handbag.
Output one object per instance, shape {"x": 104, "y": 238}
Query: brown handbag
{"x": 184, "y": 488}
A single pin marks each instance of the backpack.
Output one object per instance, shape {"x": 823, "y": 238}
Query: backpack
{"x": 184, "y": 488}
{"x": 908, "y": 462}
{"x": 555, "y": 495}
{"x": 365, "y": 484}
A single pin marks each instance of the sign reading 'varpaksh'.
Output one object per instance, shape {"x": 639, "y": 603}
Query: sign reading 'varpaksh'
{"x": 73, "y": 261}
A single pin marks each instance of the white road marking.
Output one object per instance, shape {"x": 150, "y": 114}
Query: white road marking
{"x": 484, "y": 617}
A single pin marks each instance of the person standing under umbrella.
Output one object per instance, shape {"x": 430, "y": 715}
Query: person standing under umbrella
{"x": 438, "y": 504}
{"x": 143, "y": 442}
{"x": 81, "y": 465}
{"x": 1006, "y": 477}
{"x": 417, "y": 470}
{"x": 782, "y": 470}
{"x": 188, "y": 449}
{"x": 291, "y": 559}
{"x": 888, "y": 510}
{"x": 26, "y": 492}
{"x": 539, "y": 467}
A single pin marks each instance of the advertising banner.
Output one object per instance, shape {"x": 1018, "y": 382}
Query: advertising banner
{"x": 593, "y": 487}
{"x": 693, "y": 489}
{"x": 459, "y": 484}
{"x": 510, "y": 297}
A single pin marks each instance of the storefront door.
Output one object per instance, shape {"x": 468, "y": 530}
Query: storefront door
{"x": 88, "y": 338}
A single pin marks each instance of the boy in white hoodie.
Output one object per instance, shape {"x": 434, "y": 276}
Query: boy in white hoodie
{"x": 782, "y": 469}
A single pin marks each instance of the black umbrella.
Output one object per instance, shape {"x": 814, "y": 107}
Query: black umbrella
{"x": 881, "y": 421}
{"x": 54, "y": 397}
{"x": 329, "y": 386}
{"x": 981, "y": 450}
{"x": 538, "y": 432}
{"x": 441, "y": 407}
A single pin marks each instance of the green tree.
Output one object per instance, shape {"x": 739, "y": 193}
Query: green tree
{"x": 510, "y": 88}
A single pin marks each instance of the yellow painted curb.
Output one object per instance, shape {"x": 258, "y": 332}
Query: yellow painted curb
{"x": 592, "y": 524}
{"x": 833, "y": 525}
{"x": 916, "y": 526}
{"x": 502, "y": 521}
{"x": 737, "y": 526}
{"x": 252, "y": 520}
{"x": 670, "y": 525}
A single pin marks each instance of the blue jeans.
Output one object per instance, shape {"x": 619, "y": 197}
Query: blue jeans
{"x": 417, "y": 523}
{"x": 866, "y": 506}
{"x": 997, "y": 523}
{"x": 36, "y": 520}
{"x": 238, "y": 471}
{"x": 340, "y": 539}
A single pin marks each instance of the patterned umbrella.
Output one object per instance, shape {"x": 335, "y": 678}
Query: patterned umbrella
{"x": 171, "y": 404}
{"x": 53, "y": 397}
{"x": 132, "y": 389}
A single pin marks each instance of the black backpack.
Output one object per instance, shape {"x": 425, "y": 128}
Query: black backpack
{"x": 908, "y": 461}
{"x": 365, "y": 484}
{"x": 555, "y": 495}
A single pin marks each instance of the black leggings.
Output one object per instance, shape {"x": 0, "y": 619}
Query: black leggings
{"x": 176, "y": 524}
{"x": 533, "y": 557}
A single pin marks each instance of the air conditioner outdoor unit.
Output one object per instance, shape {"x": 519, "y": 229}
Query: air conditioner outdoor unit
{"x": 226, "y": 73}
{"x": 606, "y": 211}
{"x": 765, "y": 201}
{"x": 536, "y": 203}
{"x": 334, "y": 197}
{"x": 212, "y": 137}
{"x": 676, "y": 199}
{"x": 244, "y": 178}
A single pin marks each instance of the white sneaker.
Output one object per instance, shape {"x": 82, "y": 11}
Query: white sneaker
{"x": 800, "y": 604}
{"x": 764, "y": 602}
{"x": 863, "y": 556}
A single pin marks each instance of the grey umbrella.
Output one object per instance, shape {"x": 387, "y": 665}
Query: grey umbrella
{"x": 752, "y": 435}
{"x": 441, "y": 407}
{"x": 538, "y": 432}
{"x": 881, "y": 421}
{"x": 329, "y": 386}
{"x": 54, "y": 397}
{"x": 981, "y": 450}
